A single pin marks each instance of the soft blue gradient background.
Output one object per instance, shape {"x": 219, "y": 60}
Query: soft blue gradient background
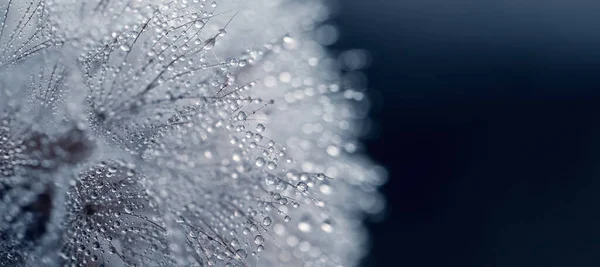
{"x": 489, "y": 128}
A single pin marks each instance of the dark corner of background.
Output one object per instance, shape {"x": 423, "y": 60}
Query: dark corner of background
{"x": 488, "y": 128}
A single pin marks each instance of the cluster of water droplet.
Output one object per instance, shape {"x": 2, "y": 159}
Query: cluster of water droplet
{"x": 111, "y": 218}
{"x": 39, "y": 146}
{"x": 24, "y": 31}
{"x": 178, "y": 133}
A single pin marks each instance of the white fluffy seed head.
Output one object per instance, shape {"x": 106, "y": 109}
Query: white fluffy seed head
{"x": 179, "y": 133}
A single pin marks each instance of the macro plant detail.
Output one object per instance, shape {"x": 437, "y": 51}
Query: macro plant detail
{"x": 178, "y": 133}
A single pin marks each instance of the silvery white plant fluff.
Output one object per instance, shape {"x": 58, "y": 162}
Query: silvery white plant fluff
{"x": 178, "y": 133}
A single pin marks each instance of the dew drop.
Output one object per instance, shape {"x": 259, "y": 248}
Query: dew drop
{"x": 242, "y": 116}
{"x": 198, "y": 24}
{"x": 326, "y": 226}
{"x": 260, "y": 162}
{"x": 302, "y": 186}
{"x": 304, "y": 226}
{"x": 209, "y": 44}
{"x": 241, "y": 253}
{"x": 259, "y": 239}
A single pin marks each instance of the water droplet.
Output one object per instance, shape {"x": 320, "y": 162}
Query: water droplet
{"x": 325, "y": 189}
{"x": 304, "y": 226}
{"x": 259, "y": 239}
{"x": 241, "y": 253}
{"x": 260, "y": 162}
{"x": 209, "y": 44}
{"x": 270, "y": 179}
{"x": 302, "y": 186}
{"x": 242, "y": 116}
{"x": 246, "y": 231}
{"x": 199, "y": 24}
{"x": 326, "y": 226}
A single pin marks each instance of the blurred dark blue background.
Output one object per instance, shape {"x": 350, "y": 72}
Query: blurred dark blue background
{"x": 489, "y": 129}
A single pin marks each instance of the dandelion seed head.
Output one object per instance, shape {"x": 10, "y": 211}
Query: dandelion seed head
{"x": 180, "y": 133}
